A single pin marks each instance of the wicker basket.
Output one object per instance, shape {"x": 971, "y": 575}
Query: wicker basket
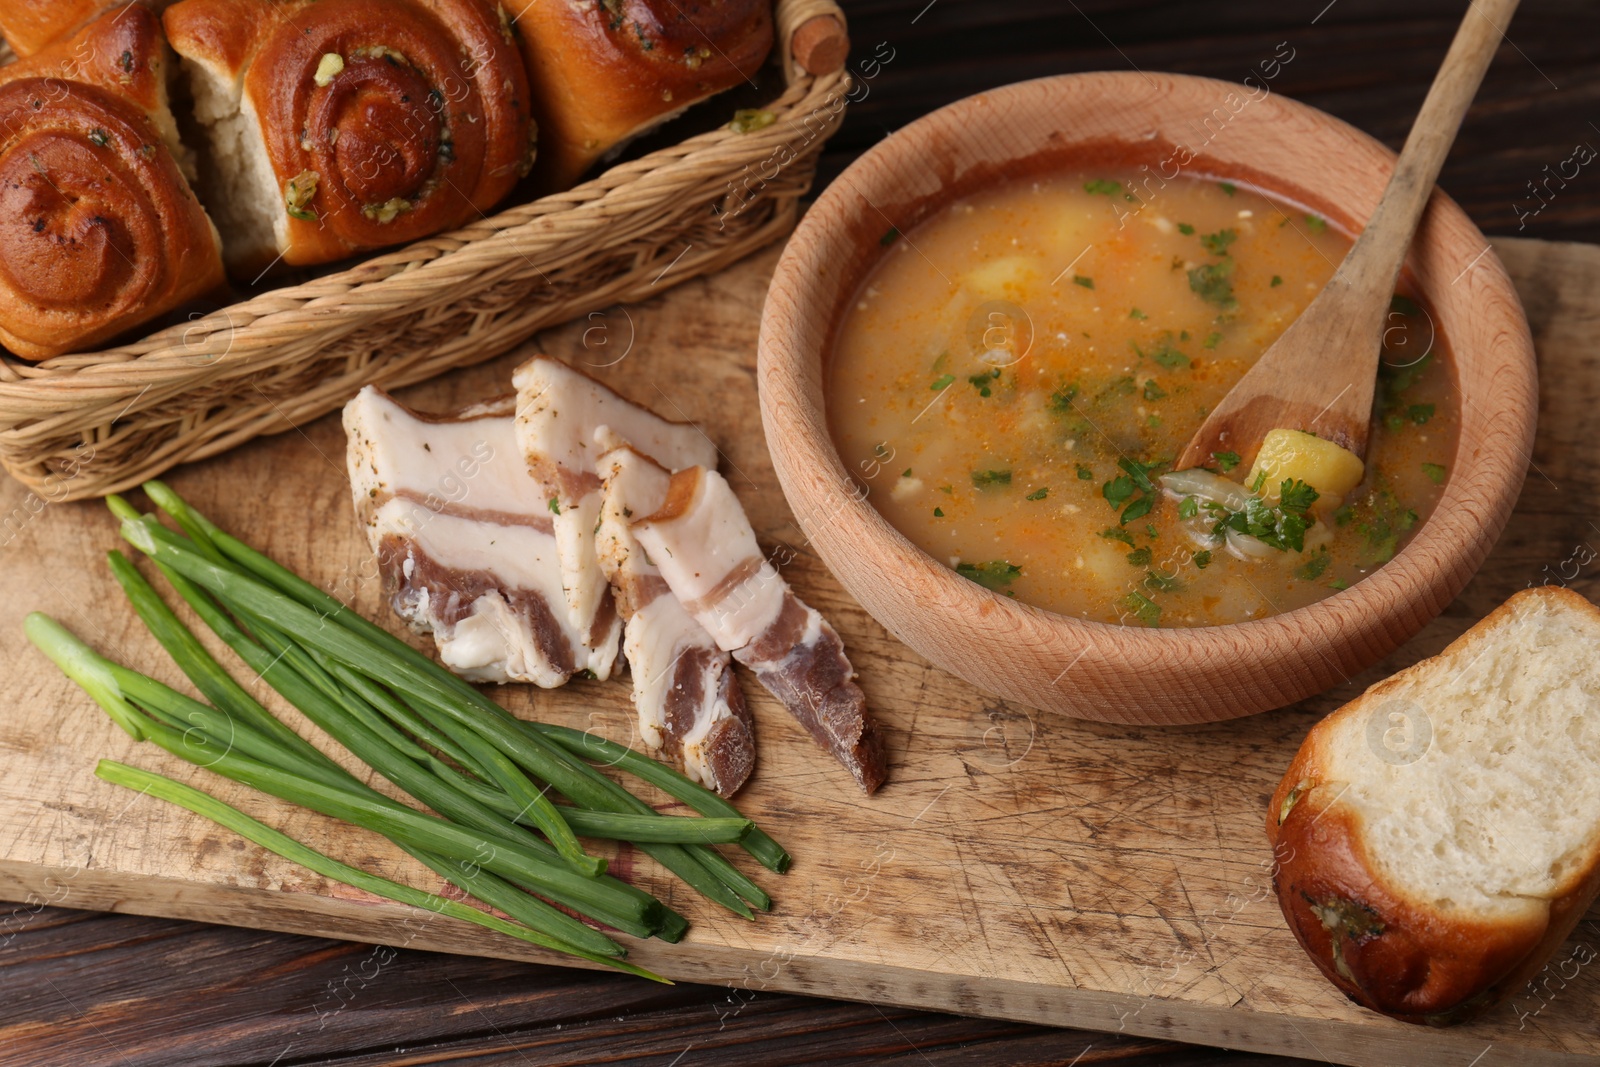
{"x": 85, "y": 425}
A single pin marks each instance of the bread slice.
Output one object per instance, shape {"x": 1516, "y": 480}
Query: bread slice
{"x": 1438, "y": 837}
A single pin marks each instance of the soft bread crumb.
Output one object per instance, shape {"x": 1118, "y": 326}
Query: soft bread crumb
{"x": 167, "y": 125}
{"x": 1476, "y": 775}
{"x": 240, "y": 184}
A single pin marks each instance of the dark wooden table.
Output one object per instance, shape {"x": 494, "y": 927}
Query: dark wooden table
{"x": 81, "y": 988}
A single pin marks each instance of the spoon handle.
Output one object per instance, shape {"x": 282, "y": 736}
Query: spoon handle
{"x": 1373, "y": 265}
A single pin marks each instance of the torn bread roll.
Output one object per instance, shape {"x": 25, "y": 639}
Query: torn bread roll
{"x": 704, "y": 546}
{"x": 689, "y": 701}
{"x": 605, "y": 71}
{"x": 1437, "y": 838}
{"x": 339, "y": 126}
{"x": 565, "y": 421}
{"x": 100, "y": 231}
{"x": 464, "y": 544}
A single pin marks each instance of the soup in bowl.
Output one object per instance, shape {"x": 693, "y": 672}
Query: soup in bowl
{"x": 1014, "y": 376}
{"x": 990, "y": 335}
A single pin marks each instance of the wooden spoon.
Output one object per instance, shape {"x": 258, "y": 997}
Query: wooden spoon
{"x": 1319, "y": 375}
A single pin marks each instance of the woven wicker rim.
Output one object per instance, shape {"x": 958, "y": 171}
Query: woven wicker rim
{"x": 430, "y": 271}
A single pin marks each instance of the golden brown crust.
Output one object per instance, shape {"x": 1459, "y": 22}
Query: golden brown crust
{"x": 30, "y": 25}
{"x": 1382, "y": 950}
{"x": 1381, "y": 947}
{"x": 218, "y": 33}
{"x": 385, "y": 121}
{"x": 99, "y": 229}
{"x": 603, "y": 70}
{"x": 122, "y": 53}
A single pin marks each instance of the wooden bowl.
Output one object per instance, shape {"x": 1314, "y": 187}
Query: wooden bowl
{"x": 1170, "y": 124}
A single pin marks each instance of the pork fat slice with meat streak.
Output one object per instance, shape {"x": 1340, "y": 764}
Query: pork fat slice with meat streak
{"x": 464, "y": 542}
{"x": 704, "y": 546}
{"x": 565, "y": 421}
{"x": 689, "y": 701}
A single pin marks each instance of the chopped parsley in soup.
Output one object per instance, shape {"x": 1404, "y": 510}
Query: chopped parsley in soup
{"x": 1019, "y": 370}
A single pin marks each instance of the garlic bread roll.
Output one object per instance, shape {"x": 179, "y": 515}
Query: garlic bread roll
{"x": 340, "y": 126}
{"x": 606, "y": 71}
{"x": 100, "y": 231}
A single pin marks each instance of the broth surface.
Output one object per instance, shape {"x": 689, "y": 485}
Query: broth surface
{"x": 1018, "y": 371}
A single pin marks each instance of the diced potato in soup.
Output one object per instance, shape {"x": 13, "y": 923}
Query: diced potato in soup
{"x": 1018, "y": 371}
{"x": 1007, "y": 276}
{"x": 1296, "y": 456}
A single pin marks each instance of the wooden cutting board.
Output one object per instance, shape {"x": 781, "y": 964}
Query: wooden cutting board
{"x": 1016, "y": 865}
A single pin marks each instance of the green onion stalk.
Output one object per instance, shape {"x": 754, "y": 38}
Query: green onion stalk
{"x": 261, "y": 588}
{"x": 207, "y": 806}
{"x": 489, "y": 780}
{"x": 373, "y": 750}
{"x": 199, "y": 666}
{"x": 150, "y": 711}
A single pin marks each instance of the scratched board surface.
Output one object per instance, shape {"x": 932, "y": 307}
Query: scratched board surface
{"x": 1016, "y": 865}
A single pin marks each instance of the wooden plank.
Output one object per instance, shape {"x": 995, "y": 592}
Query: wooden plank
{"x": 90, "y": 987}
{"x": 1017, "y": 866}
